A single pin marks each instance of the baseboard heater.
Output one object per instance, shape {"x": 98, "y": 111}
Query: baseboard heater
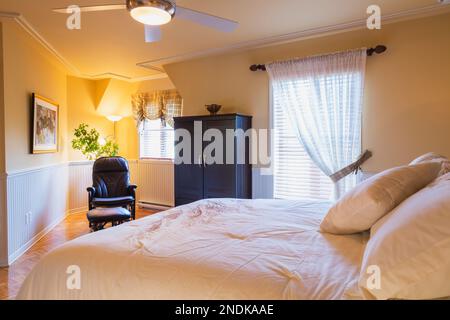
{"x": 148, "y": 205}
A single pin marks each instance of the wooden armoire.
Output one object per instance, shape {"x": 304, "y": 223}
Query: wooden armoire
{"x": 201, "y": 178}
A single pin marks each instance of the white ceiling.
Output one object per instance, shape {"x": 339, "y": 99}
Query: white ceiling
{"x": 111, "y": 42}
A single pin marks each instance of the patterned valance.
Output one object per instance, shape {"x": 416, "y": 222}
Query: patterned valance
{"x": 164, "y": 105}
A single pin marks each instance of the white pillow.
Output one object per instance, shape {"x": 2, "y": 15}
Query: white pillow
{"x": 411, "y": 248}
{"x": 434, "y": 157}
{"x": 369, "y": 201}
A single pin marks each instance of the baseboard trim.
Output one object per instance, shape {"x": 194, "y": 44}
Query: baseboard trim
{"x": 77, "y": 210}
{"x": 27, "y": 246}
{"x": 22, "y": 250}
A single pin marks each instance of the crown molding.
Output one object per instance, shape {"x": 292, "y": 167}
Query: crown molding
{"x": 431, "y": 10}
{"x": 155, "y": 64}
{"x": 22, "y": 21}
{"x": 12, "y": 15}
{"x": 110, "y": 75}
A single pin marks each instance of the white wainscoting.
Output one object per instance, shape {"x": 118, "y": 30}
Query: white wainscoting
{"x": 154, "y": 178}
{"x": 80, "y": 177}
{"x": 40, "y": 198}
{"x": 36, "y": 202}
{"x": 3, "y": 223}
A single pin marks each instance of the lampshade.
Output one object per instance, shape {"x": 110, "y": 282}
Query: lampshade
{"x": 114, "y": 118}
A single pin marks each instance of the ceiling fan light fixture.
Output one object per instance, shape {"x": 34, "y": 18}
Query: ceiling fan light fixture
{"x": 151, "y": 12}
{"x": 150, "y": 16}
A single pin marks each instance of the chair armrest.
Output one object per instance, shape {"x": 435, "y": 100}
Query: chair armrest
{"x": 132, "y": 190}
{"x": 91, "y": 192}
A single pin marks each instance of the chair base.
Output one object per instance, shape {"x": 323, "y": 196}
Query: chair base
{"x": 97, "y": 226}
{"x": 99, "y": 217}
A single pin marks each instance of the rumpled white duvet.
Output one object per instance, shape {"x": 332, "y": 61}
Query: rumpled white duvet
{"x": 211, "y": 249}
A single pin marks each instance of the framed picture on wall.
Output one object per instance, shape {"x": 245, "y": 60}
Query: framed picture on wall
{"x": 45, "y": 125}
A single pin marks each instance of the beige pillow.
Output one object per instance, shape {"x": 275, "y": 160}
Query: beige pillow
{"x": 369, "y": 201}
{"x": 434, "y": 157}
{"x": 411, "y": 248}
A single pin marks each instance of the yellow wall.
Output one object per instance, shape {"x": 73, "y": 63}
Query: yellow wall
{"x": 89, "y": 101}
{"x": 2, "y": 108}
{"x": 81, "y": 102}
{"x": 3, "y": 207}
{"x": 407, "y": 97}
{"x": 127, "y": 138}
{"x": 154, "y": 85}
{"x": 116, "y": 99}
{"x": 29, "y": 68}
{"x": 406, "y": 110}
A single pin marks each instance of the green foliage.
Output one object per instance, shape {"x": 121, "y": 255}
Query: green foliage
{"x": 87, "y": 141}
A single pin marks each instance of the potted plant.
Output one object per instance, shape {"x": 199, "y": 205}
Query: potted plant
{"x": 88, "y": 142}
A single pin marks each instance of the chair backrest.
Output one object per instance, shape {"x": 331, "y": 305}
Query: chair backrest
{"x": 111, "y": 177}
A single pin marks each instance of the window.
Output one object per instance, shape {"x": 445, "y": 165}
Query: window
{"x": 296, "y": 176}
{"x": 156, "y": 140}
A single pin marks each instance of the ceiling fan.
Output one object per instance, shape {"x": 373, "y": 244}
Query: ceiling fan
{"x": 155, "y": 13}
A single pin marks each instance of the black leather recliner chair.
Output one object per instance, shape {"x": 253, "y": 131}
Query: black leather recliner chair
{"x": 111, "y": 185}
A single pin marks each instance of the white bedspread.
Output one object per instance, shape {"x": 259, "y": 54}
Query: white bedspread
{"x": 212, "y": 249}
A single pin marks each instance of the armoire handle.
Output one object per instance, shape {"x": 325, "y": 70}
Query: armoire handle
{"x": 200, "y": 163}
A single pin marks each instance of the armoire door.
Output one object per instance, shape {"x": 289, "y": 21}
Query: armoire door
{"x": 188, "y": 176}
{"x": 219, "y": 180}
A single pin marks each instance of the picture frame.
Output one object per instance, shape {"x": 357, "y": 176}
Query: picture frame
{"x": 45, "y": 126}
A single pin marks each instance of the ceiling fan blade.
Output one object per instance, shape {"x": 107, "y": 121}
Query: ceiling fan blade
{"x": 218, "y": 23}
{"x": 152, "y": 33}
{"x": 107, "y": 7}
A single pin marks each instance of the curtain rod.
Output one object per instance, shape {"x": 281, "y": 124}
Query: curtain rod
{"x": 378, "y": 50}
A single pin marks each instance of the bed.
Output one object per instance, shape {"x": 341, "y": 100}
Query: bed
{"x": 211, "y": 249}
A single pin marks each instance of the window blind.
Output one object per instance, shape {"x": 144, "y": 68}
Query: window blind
{"x": 296, "y": 176}
{"x": 156, "y": 141}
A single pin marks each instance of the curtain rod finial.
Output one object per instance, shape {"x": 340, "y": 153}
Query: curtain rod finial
{"x": 256, "y": 67}
{"x": 378, "y": 50}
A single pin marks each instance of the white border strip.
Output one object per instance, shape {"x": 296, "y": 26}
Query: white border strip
{"x": 20, "y": 172}
{"x": 13, "y": 173}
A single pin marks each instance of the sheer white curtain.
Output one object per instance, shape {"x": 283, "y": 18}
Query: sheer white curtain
{"x": 322, "y": 97}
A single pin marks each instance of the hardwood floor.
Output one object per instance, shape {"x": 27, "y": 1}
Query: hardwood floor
{"x": 72, "y": 227}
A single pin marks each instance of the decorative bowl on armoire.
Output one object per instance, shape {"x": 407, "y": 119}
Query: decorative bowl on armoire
{"x": 213, "y": 108}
